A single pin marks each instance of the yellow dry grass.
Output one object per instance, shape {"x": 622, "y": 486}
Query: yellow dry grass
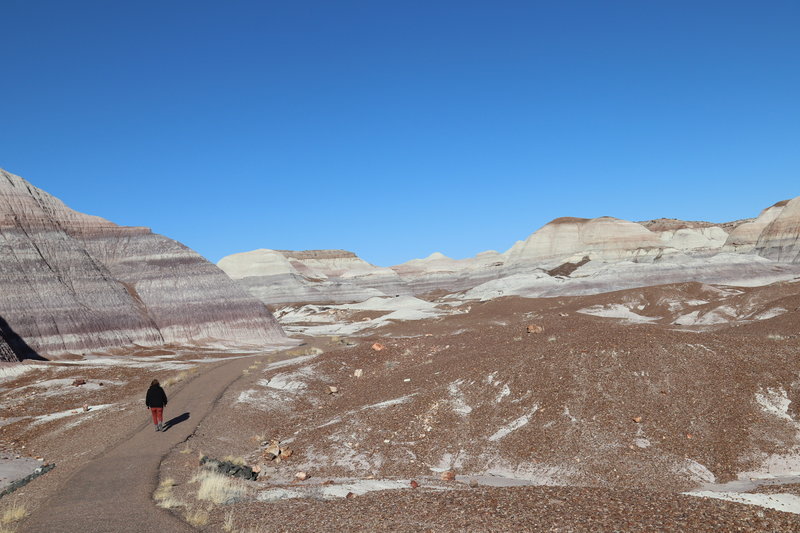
{"x": 235, "y": 460}
{"x": 217, "y": 488}
{"x": 227, "y": 525}
{"x": 164, "y": 497}
{"x": 180, "y": 376}
{"x": 197, "y": 517}
{"x": 304, "y": 351}
{"x": 13, "y": 513}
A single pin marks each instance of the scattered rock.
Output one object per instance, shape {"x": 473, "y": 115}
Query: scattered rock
{"x": 359, "y": 372}
{"x": 473, "y": 483}
{"x": 301, "y": 476}
{"x": 637, "y": 419}
{"x": 535, "y": 329}
{"x": 448, "y": 476}
{"x": 228, "y": 468}
{"x": 350, "y": 495}
{"x": 275, "y": 452}
{"x": 332, "y": 389}
{"x": 378, "y": 347}
{"x": 85, "y": 408}
{"x": 78, "y": 382}
{"x": 414, "y": 484}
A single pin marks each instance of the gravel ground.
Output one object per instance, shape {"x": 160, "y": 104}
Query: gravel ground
{"x": 786, "y": 488}
{"x": 590, "y": 402}
{"x": 507, "y": 509}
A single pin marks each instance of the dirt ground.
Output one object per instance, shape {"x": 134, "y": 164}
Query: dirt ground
{"x": 615, "y": 416}
{"x": 596, "y": 419}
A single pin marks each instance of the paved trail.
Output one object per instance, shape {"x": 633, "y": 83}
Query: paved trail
{"x": 113, "y": 492}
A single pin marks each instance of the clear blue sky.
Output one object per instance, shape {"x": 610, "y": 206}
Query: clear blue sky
{"x": 396, "y": 129}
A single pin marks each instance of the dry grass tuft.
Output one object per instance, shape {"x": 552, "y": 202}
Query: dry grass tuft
{"x": 14, "y": 513}
{"x": 227, "y": 525}
{"x": 186, "y": 450}
{"x": 218, "y": 488}
{"x": 235, "y": 460}
{"x": 164, "y": 497}
{"x": 304, "y": 351}
{"x": 196, "y": 517}
{"x": 180, "y": 376}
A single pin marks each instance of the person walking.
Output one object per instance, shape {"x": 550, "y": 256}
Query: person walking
{"x": 156, "y": 401}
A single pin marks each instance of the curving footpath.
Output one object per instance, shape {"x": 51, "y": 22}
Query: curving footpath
{"x": 113, "y": 492}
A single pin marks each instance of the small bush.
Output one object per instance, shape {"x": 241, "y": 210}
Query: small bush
{"x": 180, "y": 376}
{"x": 164, "y": 497}
{"x": 13, "y": 514}
{"x": 218, "y": 488}
{"x": 197, "y": 517}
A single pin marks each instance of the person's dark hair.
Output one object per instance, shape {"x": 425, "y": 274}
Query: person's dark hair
{"x": 154, "y": 383}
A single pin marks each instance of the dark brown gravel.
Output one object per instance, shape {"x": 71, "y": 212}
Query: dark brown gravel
{"x": 507, "y": 509}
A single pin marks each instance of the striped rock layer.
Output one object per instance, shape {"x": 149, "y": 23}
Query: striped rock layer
{"x": 566, "y": 256}
{"x": 71, "y": 282}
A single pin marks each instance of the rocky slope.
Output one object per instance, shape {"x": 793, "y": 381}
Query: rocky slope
{"x": 74, "y": 282}
{"x": 276, "y": 276}
{"x": 567, "y": 256}
{"x": 780, "y": 239}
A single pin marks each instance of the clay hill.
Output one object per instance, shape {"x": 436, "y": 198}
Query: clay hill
{"x": 73, "y": 283}
{"x": 568, "y": 256}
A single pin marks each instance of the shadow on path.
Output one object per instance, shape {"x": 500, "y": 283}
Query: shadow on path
{"x": 175, "y": 421}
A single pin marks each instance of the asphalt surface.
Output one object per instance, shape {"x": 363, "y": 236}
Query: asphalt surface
{"x": 113, "y": 492}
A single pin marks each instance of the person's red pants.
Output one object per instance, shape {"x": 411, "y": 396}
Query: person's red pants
{"x": 158, "y": 414}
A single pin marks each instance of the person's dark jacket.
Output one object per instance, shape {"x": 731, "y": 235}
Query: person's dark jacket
{"x": 156, "y": 397}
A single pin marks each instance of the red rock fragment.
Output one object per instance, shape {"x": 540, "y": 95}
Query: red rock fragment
{"x": 637, "y": 419}
{"x": 414, "y": 484}
{"x": 378, "y": 347}
{"x": 533, "y": 328}
{"x": 448, "y": 475}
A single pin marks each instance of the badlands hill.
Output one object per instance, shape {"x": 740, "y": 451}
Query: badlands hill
{"x": 568, "y": 256}
{"x": 73, "y": 282}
